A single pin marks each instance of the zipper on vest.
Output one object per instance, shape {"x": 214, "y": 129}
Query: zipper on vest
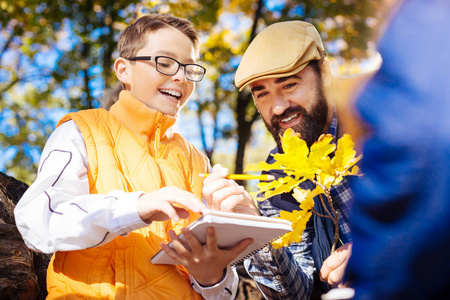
{"x": 158, "y": 133}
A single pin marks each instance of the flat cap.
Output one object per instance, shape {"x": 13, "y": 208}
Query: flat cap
{"x": 282, "y": 49}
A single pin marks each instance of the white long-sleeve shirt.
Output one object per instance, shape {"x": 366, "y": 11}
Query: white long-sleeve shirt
{"x": 57, "y": 212}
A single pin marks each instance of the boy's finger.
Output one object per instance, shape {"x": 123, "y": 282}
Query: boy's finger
{"x": 232, "y": 203}
{"x": 181, "y": 248}
{"x": 232, "y": 194}
{"x": 181, "y": 212}
{"x": 212, "y": 187}
{"x": 167, "y": 210}
{"x": 192, "y": 241}
{"x": 218, "y": 171}
{"x": 241, "y": 246}
{"x": 172, "y": 254}
{"x": 211, "y": 239}
{"x": 189, "y": 201}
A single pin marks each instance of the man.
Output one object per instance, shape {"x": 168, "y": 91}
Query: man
{"x": 285, "y": 68}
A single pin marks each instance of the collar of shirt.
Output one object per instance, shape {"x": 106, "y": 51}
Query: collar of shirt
{"x": 334, "y": 125}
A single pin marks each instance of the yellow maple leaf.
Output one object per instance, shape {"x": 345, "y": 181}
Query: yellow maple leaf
{"x": 275, "y": 187}
{"x": 306, "y": 197}
{"x": 300, "y": 194}
{"x": 263, "y": 166}
{"x": 345, "y": 155}
{"x": 295, "y": 151}
{"x": 299, "y": 164}
{"x": 299, "y": 218}
{"x": 293, "y": 144}
{"x": 355, "y": 171}
{"x": 321, "y": 149}
{"x": 327, "y": 179}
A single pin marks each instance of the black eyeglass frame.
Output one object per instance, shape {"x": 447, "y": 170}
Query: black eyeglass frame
{"x": 155, "y": 59}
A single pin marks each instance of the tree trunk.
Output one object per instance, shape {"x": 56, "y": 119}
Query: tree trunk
{"x": 244, "y": 99}
{"x": 245, "y": 123}
{"x": 247, "y": 289}
{"x": 22, "y": 271}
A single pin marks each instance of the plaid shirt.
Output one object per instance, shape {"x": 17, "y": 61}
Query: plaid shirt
{"x": 287, "y": 273}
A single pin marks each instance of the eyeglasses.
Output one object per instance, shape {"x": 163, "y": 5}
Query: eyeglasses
{"x": 169, "y": 66}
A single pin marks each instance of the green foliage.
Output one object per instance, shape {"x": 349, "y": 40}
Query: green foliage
{"x": 354, "y": 22}
{"x": 27, "y": 126}
{"x": 28, "y": 27}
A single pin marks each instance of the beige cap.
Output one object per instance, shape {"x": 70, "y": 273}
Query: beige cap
{"x": 280, "y": 50}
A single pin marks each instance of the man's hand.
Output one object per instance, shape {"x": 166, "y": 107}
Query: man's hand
{"x": 225, "y": 194}
{"x": 206, "y": 263}
{"x": 333, "y": 268}
{"x": 158, "y": 205}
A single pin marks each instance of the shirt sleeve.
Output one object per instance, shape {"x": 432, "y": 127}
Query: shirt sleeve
{"x": 57, "y": 212}
{"x": 226, "y": 289}
{"x": 285, "y": 273}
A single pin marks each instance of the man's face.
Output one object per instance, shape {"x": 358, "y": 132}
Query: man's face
{"x": 296, "y": 102}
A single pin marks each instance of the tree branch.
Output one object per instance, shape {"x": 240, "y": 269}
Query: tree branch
{"x": 7, "y": 43}
{"x": 9, "y": 85}
{"x": 320, "y": 215}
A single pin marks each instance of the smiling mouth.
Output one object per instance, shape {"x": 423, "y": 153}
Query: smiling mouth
{"x": 171, "y": 93}
{"x": 290, "y": 119}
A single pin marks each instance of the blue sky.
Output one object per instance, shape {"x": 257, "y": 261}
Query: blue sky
{"x": 46, "y": 59}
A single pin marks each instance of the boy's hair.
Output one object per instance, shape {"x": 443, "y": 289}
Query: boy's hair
{"x": 134, "y": 37}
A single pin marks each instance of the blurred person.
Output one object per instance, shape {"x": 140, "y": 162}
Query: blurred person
{"x": 401, "y": 212}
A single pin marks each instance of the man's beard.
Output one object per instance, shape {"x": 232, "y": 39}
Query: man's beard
{"x": 311, "y": 124}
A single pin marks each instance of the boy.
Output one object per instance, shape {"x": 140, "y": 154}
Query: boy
{"x": 112, "y": 185}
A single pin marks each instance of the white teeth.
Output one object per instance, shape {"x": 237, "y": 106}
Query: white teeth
{"x": 288, "y": 119}
{"x": 171, "y": 93}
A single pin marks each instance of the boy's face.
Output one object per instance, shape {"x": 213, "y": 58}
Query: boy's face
{"x": 167, "y": 94}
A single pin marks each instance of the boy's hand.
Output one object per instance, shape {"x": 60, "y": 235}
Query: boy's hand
{"x": 158, "y": 205}
{"x": 333, "y": 268}
{"x": 225, "y": 194}
{"x": 206, "y": 263}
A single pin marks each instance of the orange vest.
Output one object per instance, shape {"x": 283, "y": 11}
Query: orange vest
{"x": 129, "y": 148}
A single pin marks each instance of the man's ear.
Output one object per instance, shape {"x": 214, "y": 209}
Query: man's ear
{"x": 325, "y": 69}
{"x": 328, "y": 83}
{"x": 123, "y": 72}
